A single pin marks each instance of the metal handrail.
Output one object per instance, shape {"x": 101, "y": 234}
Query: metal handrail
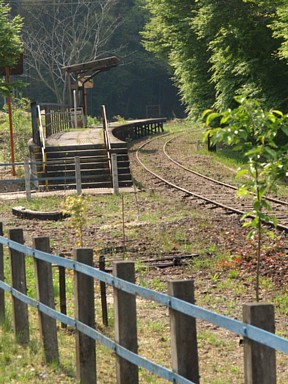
{"x": 42, "y": 144}
{"x": 106, "y": 136}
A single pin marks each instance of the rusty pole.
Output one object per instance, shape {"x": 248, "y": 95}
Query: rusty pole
{"x": 7, "y": 70}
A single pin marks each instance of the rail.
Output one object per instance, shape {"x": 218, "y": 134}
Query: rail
{"x": 206, "y": 198}
{"x": 56, "y": 119}
{"x": 31, "y": 180}
{"x": 175, "y": 304}
{"x": 106, "y": 136}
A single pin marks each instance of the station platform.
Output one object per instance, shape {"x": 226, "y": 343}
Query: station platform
{"x": 81, "y": 136}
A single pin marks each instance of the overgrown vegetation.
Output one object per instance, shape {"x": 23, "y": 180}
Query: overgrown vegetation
{"x": 222, "y": 268}
{"x": 21, "y": 117}
{"x": 152, "y": 230}
{"x": 217, "y": 49}
{"x": 77, "y": 209}
{"x": 253, "y": 130}
{"x": 10, "y": 42}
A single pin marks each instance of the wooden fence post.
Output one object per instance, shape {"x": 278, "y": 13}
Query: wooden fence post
{"x": 85, "y": 312}
{"x": 259, "y": 360}
{"x": 183, "y": 333}
{"x": 45, "y": 294}
{"x": 18, "y": 281}
{"x": 2, "y": 293}
{"x": 125, "y": 323}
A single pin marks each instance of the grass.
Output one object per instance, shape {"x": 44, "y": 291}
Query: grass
{"x": 27, "y": 365}
{"x": 152, "y": 228}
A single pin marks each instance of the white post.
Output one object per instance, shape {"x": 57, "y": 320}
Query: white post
{"x": 75, "y": 108}
{"x": 27, "y": 179}
{"x": 115, "y": 180}
{"x": 78, "y": 176}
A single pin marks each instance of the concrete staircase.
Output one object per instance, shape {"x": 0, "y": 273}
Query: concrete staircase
{"x": 94, "y": 166}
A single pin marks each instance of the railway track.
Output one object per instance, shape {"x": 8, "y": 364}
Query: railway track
{"x": 159, "y": 156}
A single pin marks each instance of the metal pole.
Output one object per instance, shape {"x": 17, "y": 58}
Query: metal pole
{"x": 10, "y": 123}
{"x": 78, "y": 175}
{"x": 75, "y": 108}
{"x": 27, "y": 179}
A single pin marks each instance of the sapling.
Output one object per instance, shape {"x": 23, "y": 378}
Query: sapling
{"x": 253, "y": 131}
{"x": 77, "y": 208}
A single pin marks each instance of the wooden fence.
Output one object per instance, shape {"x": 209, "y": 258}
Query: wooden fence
{"x": 56, "y": 118}
{"x": 259, "y": 343}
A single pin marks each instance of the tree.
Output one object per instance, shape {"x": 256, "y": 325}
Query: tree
{"x": 253, "y": 130}
{"x": 280, "y": 29}
{"x": 10, "y": 41}
{"x": 169, "y": 35}
{"x": 220, "y": 48}
{"x": 141, "y": 79}
{"x": 58, "y": 34}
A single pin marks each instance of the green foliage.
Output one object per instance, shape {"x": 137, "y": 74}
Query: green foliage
{"x": 119, "y": 119}
{"x": 93, "y": 121}
{"x": 169, "y": 34}
{"x": 21, "y": 117}
{"x": 253, "y": 130}
{"x": 218, "y": 49}
{"x": 77, "y": 209}
{"x": 279, "y": 27}
{"x": 10, "y": 42}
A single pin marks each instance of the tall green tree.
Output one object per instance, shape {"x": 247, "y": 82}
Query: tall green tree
{"x": 280, "y": 28}
{"x": 169, "y": 34}
{"x": 10, "y": 41}
{"x": 221, "y": 48}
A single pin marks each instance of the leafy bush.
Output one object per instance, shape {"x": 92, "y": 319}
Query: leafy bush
{"x": 253, "y": 130}
{"x": 21, "y": 120}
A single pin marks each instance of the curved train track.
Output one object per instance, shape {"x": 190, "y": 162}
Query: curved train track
{"x": 158, "y": 157}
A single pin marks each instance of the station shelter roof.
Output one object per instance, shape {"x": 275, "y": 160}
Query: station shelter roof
{"x": 91, "y": 68}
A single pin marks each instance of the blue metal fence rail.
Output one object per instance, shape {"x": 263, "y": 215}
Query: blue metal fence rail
{"x": 246, "y": 330}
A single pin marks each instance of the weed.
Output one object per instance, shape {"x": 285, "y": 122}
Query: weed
{"x": 214, "y": 277}
{"x": 209, "y": 337}
{"x": 77, "y": 208}
{"x": 281, "y": 301}
{"x": 233, "y": 274}
{"x": 22, "y": 128}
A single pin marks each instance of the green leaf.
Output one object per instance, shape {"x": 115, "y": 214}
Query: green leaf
{"x": 206, "y": 113}
{"x": 241, "y": 173}
{"x": 284, "y": 129}
{"x": 270, "y": 152}
{"x": 257, "y": 206}
{"x": 212, "y": 116}
{"x": 274, "y": 221}
{"x": 276, "y": 112}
